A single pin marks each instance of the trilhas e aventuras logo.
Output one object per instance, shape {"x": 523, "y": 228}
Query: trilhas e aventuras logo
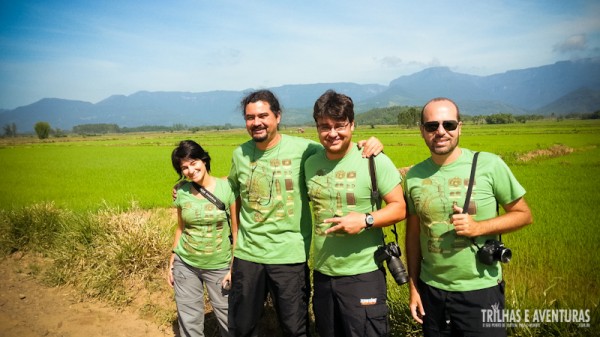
{"x": 533, "y": 317}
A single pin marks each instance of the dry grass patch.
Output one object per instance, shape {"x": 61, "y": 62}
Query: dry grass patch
{"x": 556, "y": 150}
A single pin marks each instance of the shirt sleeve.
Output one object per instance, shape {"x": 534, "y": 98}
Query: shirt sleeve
{"x": 232, "y": 178}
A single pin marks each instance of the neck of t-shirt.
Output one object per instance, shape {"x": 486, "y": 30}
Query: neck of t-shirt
{"x": 447, "y": 159}
{"x": 264, "y": 146}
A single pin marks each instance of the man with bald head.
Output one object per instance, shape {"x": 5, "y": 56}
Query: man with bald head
{"x": 452, "y": 287}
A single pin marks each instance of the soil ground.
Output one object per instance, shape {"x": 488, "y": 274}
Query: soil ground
{"x": 29, "y": 309}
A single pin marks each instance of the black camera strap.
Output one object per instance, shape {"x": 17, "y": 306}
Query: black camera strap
{"x": 471, "y": 180}
{"x": 215, "y": 201}
{"x": 375, "y": 196}
{"x": 470, "y": 190}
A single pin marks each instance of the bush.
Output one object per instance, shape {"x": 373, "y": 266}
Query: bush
{"x": 32, "y": 228}
{"x": 42, "y": 129}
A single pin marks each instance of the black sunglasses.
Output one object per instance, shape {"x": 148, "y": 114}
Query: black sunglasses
{"x": 433, "y": 126}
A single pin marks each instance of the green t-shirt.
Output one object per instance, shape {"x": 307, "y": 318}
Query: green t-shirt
{"x": 336, "y": 188}
{"x": 450, "y": 261}
{"x": 275, "y": 224}
{"x": 204, "y": 242}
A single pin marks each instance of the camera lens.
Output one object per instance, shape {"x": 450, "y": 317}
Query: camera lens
{"x": 505, "y": 255}
{"x": 397, "y": 270}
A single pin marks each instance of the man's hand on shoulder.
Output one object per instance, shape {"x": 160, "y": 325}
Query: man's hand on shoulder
{"x": 175, "y": 188}
{"x": 370, "y": 147}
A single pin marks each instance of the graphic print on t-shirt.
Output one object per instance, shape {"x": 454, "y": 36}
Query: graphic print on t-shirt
{"x": 203, "y": 236}
{"x": 434, "y": 202}
{"x": 332, "y": 195}
{"x": 271, "y": 188}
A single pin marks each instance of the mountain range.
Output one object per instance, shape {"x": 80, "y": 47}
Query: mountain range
{"x": 560, "y": 88}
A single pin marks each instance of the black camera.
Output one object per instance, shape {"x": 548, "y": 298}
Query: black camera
{"x": 391, "y": 253}
{"x": 494, "y": 250}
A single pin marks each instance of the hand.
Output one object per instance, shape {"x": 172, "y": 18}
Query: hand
{"x": 175, "y": 188}
{"x": 226, "y": 283}
{"x": 351, "y": 223}
{"x": 371, "y": 147}
{"x": 464, "y": 225}
{"x": 170, "y": 278}
{"x": 416, "y": 306}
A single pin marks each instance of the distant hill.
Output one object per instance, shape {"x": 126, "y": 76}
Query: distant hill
{"x": 515, "y": 91}
{"x": 560, "y": 88}
{"x": 580, "y": 100}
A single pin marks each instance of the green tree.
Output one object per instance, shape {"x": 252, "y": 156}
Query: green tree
{"x": 42, "y": 129}
{"x": 500, "y": 118}
{"x": 409, "y": 117}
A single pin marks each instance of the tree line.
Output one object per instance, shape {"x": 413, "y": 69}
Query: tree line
{"x": 410, "y": 116}
{"x": 406, "y": 116}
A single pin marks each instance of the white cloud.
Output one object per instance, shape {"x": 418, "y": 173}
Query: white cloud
{"x": 574, "y": 42}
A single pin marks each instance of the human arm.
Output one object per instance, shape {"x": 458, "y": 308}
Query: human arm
{"x": 393, "y": 212}
{"x": 517, "y": 216}
{"x": 235, "y": 206}
{"x": 178, "y": 232}
{"x": 370, "y": 147}
{"x": 413, "y": 260}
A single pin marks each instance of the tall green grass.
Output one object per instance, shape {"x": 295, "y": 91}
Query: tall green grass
{"x": 96, "y": 206}
{"x": 83, "y": 175}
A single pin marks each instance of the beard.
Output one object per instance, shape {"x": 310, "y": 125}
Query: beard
{"x": 452, "y": 144}
{"x": 259, "y": 138}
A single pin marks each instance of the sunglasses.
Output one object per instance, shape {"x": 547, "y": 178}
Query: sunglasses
{"x": 433, "y": 126}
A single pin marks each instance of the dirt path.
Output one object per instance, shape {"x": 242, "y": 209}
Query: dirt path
{"x": 28, "y": 309}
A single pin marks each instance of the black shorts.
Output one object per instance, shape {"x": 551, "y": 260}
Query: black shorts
{"x": 455, "y": 313}
{"x": 290, "y": 290}
{"x": 351, "y": 305}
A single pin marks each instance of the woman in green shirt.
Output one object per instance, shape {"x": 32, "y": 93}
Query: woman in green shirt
{"x": 202, "y": 244}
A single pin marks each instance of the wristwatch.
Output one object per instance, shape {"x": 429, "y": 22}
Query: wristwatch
{"x": 369, "y": 220}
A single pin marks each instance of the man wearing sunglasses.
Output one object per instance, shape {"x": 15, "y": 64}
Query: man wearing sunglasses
{"x": 450, "y": 288}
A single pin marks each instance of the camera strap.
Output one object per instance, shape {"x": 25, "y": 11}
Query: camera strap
{"x": 375, "y": 196}
{"x": 471, "y": 180}
{"x": 215, "y": 201}
{"x": 470, "y": 190}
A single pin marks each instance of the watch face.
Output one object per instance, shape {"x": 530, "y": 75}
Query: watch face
{"x": 369, "y": 220}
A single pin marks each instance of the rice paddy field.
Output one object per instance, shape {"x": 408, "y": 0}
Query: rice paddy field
{"x": 555, "y": 260}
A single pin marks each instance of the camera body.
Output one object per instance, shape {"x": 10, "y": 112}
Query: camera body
{"x": 391, "y": 254}
{"x": 494, "y": 250}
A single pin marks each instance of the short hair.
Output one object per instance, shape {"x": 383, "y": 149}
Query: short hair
{"x": 264, "y": 96}
{"x": 188, "y": 149}
{"x": 335, "y": 106}
{"x": 440, "y": 99}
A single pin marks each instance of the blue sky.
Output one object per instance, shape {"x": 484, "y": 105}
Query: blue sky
{"x": 89, "y": 50}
